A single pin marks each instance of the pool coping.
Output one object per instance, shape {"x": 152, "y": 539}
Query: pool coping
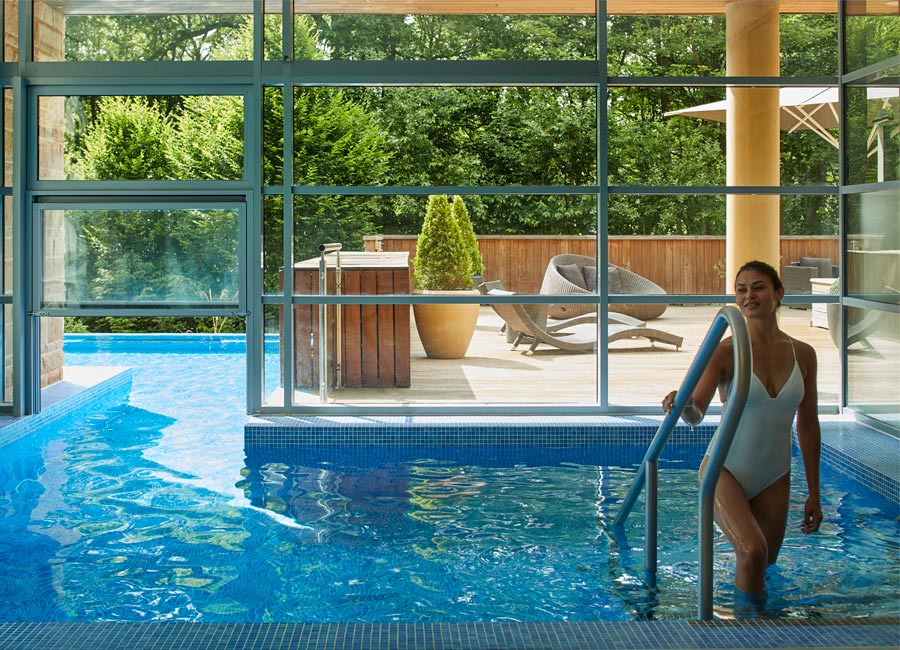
{"x": 776, "y": 633}
{"x": 83, "y": 388}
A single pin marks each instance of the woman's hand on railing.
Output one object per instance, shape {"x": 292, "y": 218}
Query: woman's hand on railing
{"x": 669, "y": 401}
{"x": 691, "y": 414}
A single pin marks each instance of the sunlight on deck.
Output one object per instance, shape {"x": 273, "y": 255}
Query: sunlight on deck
{"x": 639, "y": 372}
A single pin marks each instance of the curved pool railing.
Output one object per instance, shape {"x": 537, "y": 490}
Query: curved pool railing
{"x": 728, "y": 316}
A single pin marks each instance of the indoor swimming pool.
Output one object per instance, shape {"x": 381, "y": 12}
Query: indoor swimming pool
{"x": 155, "y": 510}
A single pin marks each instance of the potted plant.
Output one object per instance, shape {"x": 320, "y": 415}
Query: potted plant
{"x": 443, "y": 266}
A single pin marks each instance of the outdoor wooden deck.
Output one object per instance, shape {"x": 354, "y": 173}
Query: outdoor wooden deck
{"x": 640, "y": 373}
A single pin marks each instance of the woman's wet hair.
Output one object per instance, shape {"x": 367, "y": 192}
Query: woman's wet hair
{"x": 765, "y": 269}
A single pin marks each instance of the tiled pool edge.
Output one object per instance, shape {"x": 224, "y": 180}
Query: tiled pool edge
{"x": 650, "y": 635}
{"x": 73, "y": 402}
{"x": 868, "y": 456}
{"x": 526, "y": 431}
{"x": 864, "y": 454}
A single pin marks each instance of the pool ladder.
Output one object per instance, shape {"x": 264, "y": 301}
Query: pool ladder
{"x": 718, "y": 450}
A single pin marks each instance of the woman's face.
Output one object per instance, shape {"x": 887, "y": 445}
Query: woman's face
{"x": 755, "y": 294}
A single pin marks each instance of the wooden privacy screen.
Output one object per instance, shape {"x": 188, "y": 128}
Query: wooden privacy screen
{"x": 680, "y": 265}
{"x": 375, "y": 339}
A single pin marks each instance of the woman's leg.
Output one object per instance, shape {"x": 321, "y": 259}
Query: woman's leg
{"x": 739, "y": 524}
{"x": 770, "y": 509}
{"x": 737, "y": 521}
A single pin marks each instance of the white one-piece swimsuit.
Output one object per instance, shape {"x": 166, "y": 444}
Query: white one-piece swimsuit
{"x": 760, "y": 452}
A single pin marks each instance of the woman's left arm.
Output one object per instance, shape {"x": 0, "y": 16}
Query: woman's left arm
{"x": 810, "y": 437}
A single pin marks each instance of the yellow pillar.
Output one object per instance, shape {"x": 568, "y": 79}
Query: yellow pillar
{"x": 753, "y": 222}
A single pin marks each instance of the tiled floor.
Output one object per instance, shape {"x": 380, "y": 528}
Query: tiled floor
{"x": 883, "y": 633}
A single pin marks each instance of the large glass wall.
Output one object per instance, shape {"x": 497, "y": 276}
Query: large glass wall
{"x": 871, "y": 316}
{"x": 593, "y": 166}
{"x": 675, "y": 204}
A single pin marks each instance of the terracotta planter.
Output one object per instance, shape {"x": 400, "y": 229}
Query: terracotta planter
{"x": 446, "y": 330}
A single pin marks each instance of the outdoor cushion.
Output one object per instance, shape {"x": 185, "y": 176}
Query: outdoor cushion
{"x": 614, "y": 280}
{"x": 590, "y": 278}
{"x": 572, "y": 273}
{"x": 821, "y": 264}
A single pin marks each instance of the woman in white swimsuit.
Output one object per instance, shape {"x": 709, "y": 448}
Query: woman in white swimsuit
{"x": 752, "y": 494}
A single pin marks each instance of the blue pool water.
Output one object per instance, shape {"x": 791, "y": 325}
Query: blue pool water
{"x": 153, "y": 510}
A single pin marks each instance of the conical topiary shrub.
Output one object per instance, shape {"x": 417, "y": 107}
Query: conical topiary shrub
{"x": 461, "y": 213}
{"x": 443, "y": 265}
{"x": 442, "y": 258}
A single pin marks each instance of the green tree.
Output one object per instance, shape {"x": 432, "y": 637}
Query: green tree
{"x": 442, "y": 259}
{"x": 147, "y": 37}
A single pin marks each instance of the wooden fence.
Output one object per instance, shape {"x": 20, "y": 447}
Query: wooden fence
{"x": 680, "y": 265}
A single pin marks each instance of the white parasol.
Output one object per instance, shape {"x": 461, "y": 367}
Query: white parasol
{"x": 814, "y": 109}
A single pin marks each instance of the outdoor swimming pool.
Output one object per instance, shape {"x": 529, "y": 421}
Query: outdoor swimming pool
{"x": 153, "y": 510}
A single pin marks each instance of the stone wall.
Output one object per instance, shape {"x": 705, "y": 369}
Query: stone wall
{"x": 49, "y": 46}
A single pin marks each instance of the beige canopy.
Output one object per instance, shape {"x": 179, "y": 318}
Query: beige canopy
{"x": 814, "y": 109}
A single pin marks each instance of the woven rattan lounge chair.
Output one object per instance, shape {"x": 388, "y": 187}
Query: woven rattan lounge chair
{"x": 569, "y": 274}
{"x": 540, "y": 312}
{"x": 521, "y": 321}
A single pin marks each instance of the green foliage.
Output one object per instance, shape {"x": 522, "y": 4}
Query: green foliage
{"x": 127, "y": 141}
{"x": 442, "y": 258}
{"x": 146, "y": 37}
{"x": 207, "y": 141}
{"x": 529, "y": 136}
{"x": 461, "y": 215}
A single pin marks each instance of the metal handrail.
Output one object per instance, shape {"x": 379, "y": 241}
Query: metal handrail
{"x": 324, "y": 249}
{"x": 718, "y": 449}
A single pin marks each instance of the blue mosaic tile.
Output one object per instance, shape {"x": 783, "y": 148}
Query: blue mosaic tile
{"x": 870, "y": 457}
{"x": 652, "y": 635}
{"x": 113, "y": 390}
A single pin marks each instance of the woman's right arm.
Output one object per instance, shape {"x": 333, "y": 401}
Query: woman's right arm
{"x": 716, "y": 372}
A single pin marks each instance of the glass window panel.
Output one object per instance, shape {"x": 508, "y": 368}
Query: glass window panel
{"x": 7, "y": 269}
{"x": 146, "y": 36}
{"x": 7, "y": 136}
{"x": 10, "y": 30}
{"x": 641, "y": 374}
{"x": 273, "y": 136}
{"x": 273, "y": 243}
{"x": 873, "y": 246}
{"x": 873, "y": 364}
{"x": 871, "y": 32}
{"x": 517, "y": 235}
{"x": 643, "y": 45}
{"x": 676, "y": 136}
{"x": 650, "y": 145}
{"x": 678, "y": 241}
{"x": 809, "y": 44}
{"x": 7, "y": 354}
{"x": 873, "y": 134}
{"x": 383, "y": 362}
{"x": 408, "y": 37}
{"x": 117, "y": 137}
{"x": 810, "y": 215}
{"x": 273, "y": 386}
{"x": 648, "y": 45}
{"x": 445, "y": 136}
{"x": 675, "y": 241}
{"x": 171, "y": 256}
{"x": 272, "y": 43}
